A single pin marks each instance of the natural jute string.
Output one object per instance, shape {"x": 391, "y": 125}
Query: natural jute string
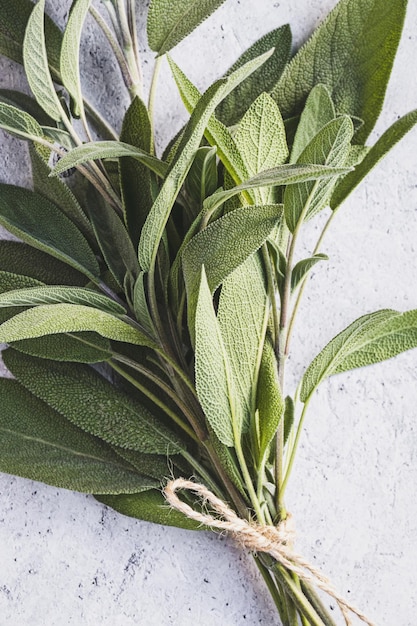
{"x": 275, "y": 540}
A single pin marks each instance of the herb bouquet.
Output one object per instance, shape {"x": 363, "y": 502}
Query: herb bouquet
{"x": 149, "y": 301}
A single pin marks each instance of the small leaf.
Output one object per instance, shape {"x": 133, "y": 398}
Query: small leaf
{"x": 108, "y": 150}
{"x": 149, "y": 506}
{"x": 352, "y": 53}
{"x": 52, "y": 319}
{"x": 384, "y": 144}
{"x": 212, "y": 370}
{"x": 302, "y": 268}
{"x": 107, "y": 413}
{"x": 232, "y": 109}
{"x": 70, "y": 52}
{"x": 43, "y": 445}
{"x": 36, "y": 296}
{"x": 201, "y": 180}
{"x": 36, "y": 64}
{"x": 270, "y": 402}
{"x": 330, "y": 147}
{"x": 288, "y": 417}
{"x": 370, "y": 339}
{"x": 250, "y": 226}
{"x": 318, "y": 111}
{"x": 135, "y": 178}
{"x": 18, "y": 122}
{"x": 168, "y": 23}
{"x": 41, "y": 224}
{"x": 20, "y": 258}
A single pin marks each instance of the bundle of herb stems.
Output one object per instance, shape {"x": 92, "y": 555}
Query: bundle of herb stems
{"x": 150, "y": 303}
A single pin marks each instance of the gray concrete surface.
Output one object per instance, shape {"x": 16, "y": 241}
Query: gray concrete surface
{"x": 65, "y": 559}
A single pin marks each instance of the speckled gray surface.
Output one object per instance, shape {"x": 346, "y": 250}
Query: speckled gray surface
{"x": 65, "y": 559}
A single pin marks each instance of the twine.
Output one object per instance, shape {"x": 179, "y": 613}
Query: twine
{"x": 274, "y": 540}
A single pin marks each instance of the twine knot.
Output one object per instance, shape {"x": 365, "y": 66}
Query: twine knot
{"x": 276, "y": 541}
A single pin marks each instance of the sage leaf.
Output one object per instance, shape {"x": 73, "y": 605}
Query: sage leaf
{"x": 384, "y": 144}
{"x": 15, "y": 121}
{"x": 36, "y": 296}
{"x": 154, "y": 465}
{"x": 135, "y": 177}
{"x": 157, "y": 218}
{"x": 249, "y": 225}
{"x": 370, "y": 339}
{"x": 10, "y": 281}
{"x": 318, "y": 111}
{"x": 329, "y": 147}
{"x": 288, "y": 417}
{"x": 149, "y": 506}
{"x": 84, "y": 347}
{"x": 212, "y": 370}
{"x": 107, "y": 413}
{"x": 352, "y": 53}
{"x": 42, "y": 445}
{"x": 202, "y": 179}
{"x": 23, "y": 259}
{"x": 140, "y": 305}
{"x": 27, "y": 104}
{"x": 70, "y": 53}
{"x": 53, "y": 319}
{"x": 270, "y": 403}
{"x": 233, "y": 107}
{"x": 302, "y": 268}
{"x": 36, "y": 64}
{"x": 40, "y": 223}
{"x": 107, "y": 150}
{"x": 168, "y": 23}
{"x": 59, "y": 193}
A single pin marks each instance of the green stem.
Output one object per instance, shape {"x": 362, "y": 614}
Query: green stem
{"x": 247, "y": 479}
{"x": 273, "y": 589}
{"x": 105, "y": 130}
{"x": 301, "y": 602}
{"x": 295, "y": 446}
{"x": 135, "y": 88}
{"x": 317, "y": 604}
{"x": 203, "y": 473}
{"x": 152, "y": 99}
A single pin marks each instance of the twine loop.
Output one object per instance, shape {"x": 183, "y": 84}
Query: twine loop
{"x": 274, "y": 540}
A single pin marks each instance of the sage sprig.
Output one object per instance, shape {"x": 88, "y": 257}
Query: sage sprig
{"x": 149, "y": 304}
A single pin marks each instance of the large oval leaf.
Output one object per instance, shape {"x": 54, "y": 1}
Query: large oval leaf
{"x": 38, "y": 443}
{"x": 36, "y": 296}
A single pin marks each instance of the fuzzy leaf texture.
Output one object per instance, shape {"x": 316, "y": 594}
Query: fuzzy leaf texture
{"x": 43, "y": 445}
{"x": 18, "y": 122}
{"x": 107, "y": 413}
{"x": 370, "y": 339}
{"x": 170, "y": 22}
{"x": 356, "y": 75}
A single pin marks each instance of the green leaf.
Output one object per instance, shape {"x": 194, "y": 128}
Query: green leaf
{"x": 20, "y": 258}
{"x": 25, "y": 103}
{"x": 59, "y": 193}
{"x": 42, "y": 445}
{"x": 318, "y": 111}
{"x": 170, "y": 22}
{"x": 352, "y": 53}
{"x": 15, "y": 121}
{"x": 201, "y": 180}
{"x": 213, "y": 372}
{"x": 40, "y": 223}
{"x": 261, "y": 140}
{"x": 14, "y": 17}
{"x": 241, "y": 314}
{"x": 384, "y": 144}
{"x": 302, "y": 268}
{"x": 35, "y": 296}
{"x": 370, "y": 339}
{"x": 52, "y": 319}
{"x": 149, "y": 506}
{"x": 288, "y": 417}
{"x": 140, "y": 305}
{"x": 249, "y": 225}
{"x": 270, "y": 402}
{"x": 329, "y": 147}
{"x": 78, "y": 348}
{"x": 10, "y": 281}
{"x": 232, "y": 109}
{"x": 114, "y": 241}
{"x": 154, "y": 465}
{"x": 108, "y": 150}
{"x": 135, "y": 178}
{"x": 107, "y": 413}
{"x": 70, "y": 53}
{"x": 36, "y": 64}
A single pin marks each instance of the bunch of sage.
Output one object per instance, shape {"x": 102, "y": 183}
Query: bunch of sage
{"x": 149, "y": 306}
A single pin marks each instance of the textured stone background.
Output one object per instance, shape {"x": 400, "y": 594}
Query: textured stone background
{"x": 65, "y": 559}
